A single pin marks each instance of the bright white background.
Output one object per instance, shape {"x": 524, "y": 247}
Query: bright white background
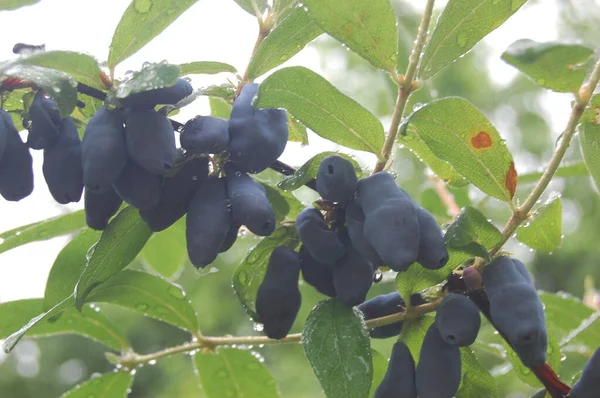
{"x": 211, "y": 30}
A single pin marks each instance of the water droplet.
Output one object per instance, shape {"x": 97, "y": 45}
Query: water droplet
{"x": 152, "y": 362}
{"x": 243, "y": 278}
{"x": 142, "y": 6}
{"x": 56, "y": 89}
{"x": 259, "y": 327}
{"x": 141, "y": 307}
{"x": 176, "y": 292}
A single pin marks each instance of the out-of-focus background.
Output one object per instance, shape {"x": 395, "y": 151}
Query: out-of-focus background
{"x": 530, "y": 118}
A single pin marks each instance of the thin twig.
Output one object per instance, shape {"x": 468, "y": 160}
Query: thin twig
{"x": 445, "y": 196}
{"x": 405, "y": 87}
{"x": 131, "y": 359}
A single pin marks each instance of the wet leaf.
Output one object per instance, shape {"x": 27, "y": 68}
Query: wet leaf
{"x": 544, "y": 231}
{"x": 322, "y": 108}
{"x": 234, "y": 373}
{"x": 458, "y": 133}
{"x": 141, "y": 22}
{"x": 462, "y": 24}
{"x": 337, "y": 345}
{"x": 557, "y": 66}
{"x": 367, "y": 28}
{"x": 119, "y": 244}
{"x": 286, "y": 40}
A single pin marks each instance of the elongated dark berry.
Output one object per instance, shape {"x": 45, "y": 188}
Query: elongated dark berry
{"x": 587, "y": 385}
{"x": 100, "y": 207}
{"x": 165, "y": 95}
{"x": 104, "y": 152}
{"x": 249, "y": 203}
{"x": 150, "y": 140}
{"x": 16, "y": 171}
{"x": 316, "y": 273}
{"x": 205, "y": 134}
{"x": 175, "y": 195}
{"x": 383, "y": 305}
{"x": 458, "y": 320}
{"x": 138, "y": 187}
{"x": 63, "y": 170}
{"x": 438, "y": 373}
{"x": 278, "y": 298}
{"x": 355, "y": 222}
{"x": 336, "y": 179}
{"x": 45, "y": 122}
{"x": 393, "y": 230}
{"x": 208, "y": 222}
{"x": 432, "y": 250}
{"x": 322, "y": 243}
{"x": 257, "y": 136}
{"x": 399, "y": 379}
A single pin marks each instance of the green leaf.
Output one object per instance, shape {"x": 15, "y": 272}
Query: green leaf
{"x": 67, "y": 267}
{"x": 462, "y": 24}
{"x": 14, "y": 4}
{"x": 219, "y": 107}
{"x": 108, "y": 385}
{"x": 285, "y": 41}
{"x": 468, "y": 231}
{"x": 250, "y": 273}
{"x": 224, "y": 91}
{"x": 589, "y": 138}
{"x": 557, "y": 66}
{"x": 59, "y": 85}
{"x": 119, "y": 244}
{"x": 322, "y": 108}
{"x": 337, "y": 345}
{"x": 141, "y": 22}
{"x": 458, "y": 133}
{"x": 84, "y": 68}
{"x": 380, "y": 364}
{"x": 166, "y": 252}
{"x": 283, "y": 203}
{"x": 553, "y": 357}
{"x": 476, "y": 380}
{"x": 149, "y": 294}
{"x": 88, "y": 323}
{"x": 309, "y": 170}
{"x": 544, "y": 232}
{"x": 205, "y": 68}
{"x": 297, "y": 131}
{"x": 441, "y": 168}
{"x": 367, "y": 28}
{"x": 253, "y": 7}
{"x": 568, "y": 170}
{"x": 234, "y": 373}
{"x": 574, "y": 322}
{"x": 42, "y": 230}
{"x": 11, "y": 341}
{"x": 151, "y": 76}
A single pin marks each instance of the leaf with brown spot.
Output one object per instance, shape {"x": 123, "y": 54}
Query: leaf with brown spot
{"x": 511, "y": 180}
{"x": 458, "y": 133}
